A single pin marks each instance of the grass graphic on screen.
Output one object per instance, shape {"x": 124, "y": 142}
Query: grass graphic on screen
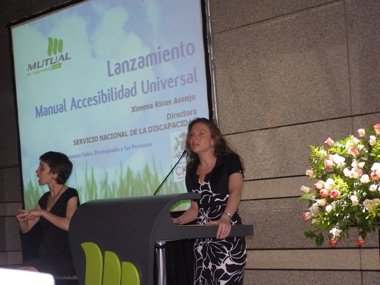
{"x": 128, "y": 184}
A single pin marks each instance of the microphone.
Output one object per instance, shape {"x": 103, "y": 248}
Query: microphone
{"x": 170, "y": 172}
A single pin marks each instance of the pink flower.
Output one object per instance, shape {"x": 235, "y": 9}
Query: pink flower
{"x": 328, "y": 163}
{"x": 314, "y": 209}
{"x": 377, "y": 128}
{"x": 374, "y": 176}
{"x": 333, "y": 242}
{"x": 361, "y": 133}
{"x": 334, "y": 194}
{"x": 354, "y": 152}
{"x": 306, "y": 216}
{"x": 360, "y": 241}
{"x": 324, "y": 193}
{"x": 329, "y": 142}
{"x": 358, "y": 171}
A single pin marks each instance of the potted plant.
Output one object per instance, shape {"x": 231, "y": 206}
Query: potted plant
{"x": 346, "y": 188}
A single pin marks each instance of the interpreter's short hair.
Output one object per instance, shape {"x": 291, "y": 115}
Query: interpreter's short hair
{"x": 59, "y": 164}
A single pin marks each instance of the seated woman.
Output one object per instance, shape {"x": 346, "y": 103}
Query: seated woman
{"x": 53, "y": 212}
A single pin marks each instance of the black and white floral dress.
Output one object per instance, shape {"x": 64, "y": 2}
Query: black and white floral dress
{"x": 217, "y": 262}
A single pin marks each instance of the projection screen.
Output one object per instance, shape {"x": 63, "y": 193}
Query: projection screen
{"x": 113, "y": 84}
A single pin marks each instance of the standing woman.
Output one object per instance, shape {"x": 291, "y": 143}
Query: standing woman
{"x": 53, "y": 212}
{"x": 216, "y": 172}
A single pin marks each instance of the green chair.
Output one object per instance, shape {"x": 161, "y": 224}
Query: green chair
{"x": 94, "y": 263}
{"x": 129, "y": 274}
{"x": 111, "y": 270}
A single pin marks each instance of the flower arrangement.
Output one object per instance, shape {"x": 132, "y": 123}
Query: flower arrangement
{"x": 346, "y": 191}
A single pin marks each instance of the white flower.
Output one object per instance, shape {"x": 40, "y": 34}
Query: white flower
{"x": 335, "y": 232}
{"x": 329, "y": 183}
{"x": 323, "y": 152}
{"x": 347, "y": 172}
{"x": 354, "y": 174}
{"x": 372, "y": 140}
{"x": 305, "y": 189}
{"x": 349, "y": 144}
{"x": 310, "y": 173}
{"x": 321, "y": 202}
{"x": 319, "y": 184}
{"x": 356, "y": 140}
{"x": 339, "y": 160}
{"x": 373, "y": 187}
{"x": 328, "y": 208}
{"x": 375, "y": 167}
{"x": 354, "y": 200}
{"x": 356, "y": 164}
{"x": 361, "y": 133}
{"x": 364, "y": 179}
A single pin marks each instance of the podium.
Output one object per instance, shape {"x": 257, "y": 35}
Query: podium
{"x": 135, "y": 228}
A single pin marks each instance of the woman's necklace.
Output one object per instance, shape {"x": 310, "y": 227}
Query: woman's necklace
{"x": 51, "y": 199}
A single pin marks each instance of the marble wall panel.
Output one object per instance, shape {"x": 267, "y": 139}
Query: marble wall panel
{"x": 282, "y": 152}
{"x": 274, "y": 188}
{"x": 12, "y": 234}
{"x": 228, "y": 15}
{"x": 3, "y": 237}
{"x": 14, "y": 258}
{"x": 3, "y": 258}
{"x": 363, "y": 33}
{"x": 8, "y": 130}
{"x": 366, "y": 121}
{"x": 11, "y": 181}
{"x": 5, "y": 61}
{"x": 286, "y": 71}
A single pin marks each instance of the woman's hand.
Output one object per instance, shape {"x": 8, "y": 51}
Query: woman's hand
{"x": 175, "y": 221}
{"x": 224, "y": 227}
{"x": 24, "y": 216}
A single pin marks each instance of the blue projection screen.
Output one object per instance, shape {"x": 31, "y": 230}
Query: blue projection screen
{"x": 113, "y": 84}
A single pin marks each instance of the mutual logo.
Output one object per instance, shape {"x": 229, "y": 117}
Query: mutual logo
{"x": 56, "y": 57}
{"x": 55, "y": 46}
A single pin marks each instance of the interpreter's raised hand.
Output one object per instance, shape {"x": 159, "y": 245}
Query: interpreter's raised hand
{"x": 224, "y": 227}
{"x": 24, "y": 216}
